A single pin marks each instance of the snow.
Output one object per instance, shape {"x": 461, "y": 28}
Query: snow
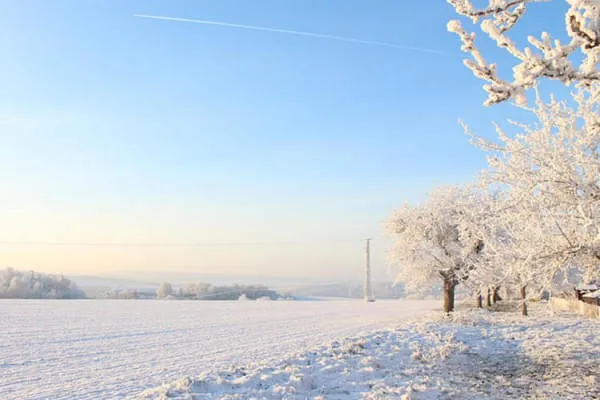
{"x": 349, "y": 349}
{"x": 573, "y": 60}
{"x": 593, "y": 295}
{"x": 587, "y": 287}
{"x": 91, "y": 349}
{"x": 474, "y": 355}
{"x": 34, "y": 285}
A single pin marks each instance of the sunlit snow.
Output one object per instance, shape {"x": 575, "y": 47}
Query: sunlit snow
{"x": 110, "y": 349}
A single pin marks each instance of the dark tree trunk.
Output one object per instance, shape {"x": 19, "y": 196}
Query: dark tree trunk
{"x": 479, "y": 300}
{"x": 449, "y": 285}
{"x": 523, "y": 304}
{"x": 496, "y": 295}
{"x": 489, "y": 297}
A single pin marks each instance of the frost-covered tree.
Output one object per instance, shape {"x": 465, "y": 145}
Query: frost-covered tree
{"x": 549, "y": 173}
{"x": 551, "y": 170}
{"x": 33, "y": 285}
{"x": 197, "y": 289}
{"x": 528, "y": 252}
{"x": 547, "y": 170}
{"x": 164, "y": 290}
{"x": 482, "y": 221}
{"x": 429, "y": 245}
{"x": 575, "y": 61}
{"x": 515, "y": 248}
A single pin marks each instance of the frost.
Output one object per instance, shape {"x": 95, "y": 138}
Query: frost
{"x": 35, "y": 285}
{"x": 429, "y": 244}
{"x": 576, "y": 61}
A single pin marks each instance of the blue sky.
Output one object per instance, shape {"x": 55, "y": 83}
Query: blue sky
{"x": 121, "y": 129}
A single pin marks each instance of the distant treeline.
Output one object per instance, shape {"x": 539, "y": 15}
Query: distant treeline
{"x": 34, "y": 285}
{"x": 206, "y": 291}
{"x": 198, "y": 291}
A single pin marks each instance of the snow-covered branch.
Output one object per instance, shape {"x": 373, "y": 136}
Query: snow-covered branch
{"x": 572, "y": 62}
{"x": 549, "y": 171}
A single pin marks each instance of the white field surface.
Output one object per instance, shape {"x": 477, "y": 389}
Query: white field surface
{"x": 103, "y": 349}
{"x": 470, "y": 356}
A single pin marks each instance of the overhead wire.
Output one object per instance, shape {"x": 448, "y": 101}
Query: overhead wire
{"x": 174, "y": 244}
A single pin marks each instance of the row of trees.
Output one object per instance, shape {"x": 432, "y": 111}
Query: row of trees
{"x": 207, "y": 291}
{"x": 33, "y": 285}
{"x": 531, "y": 219}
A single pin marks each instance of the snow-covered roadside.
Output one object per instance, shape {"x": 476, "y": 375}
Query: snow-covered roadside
{"x": 473, "y": 355}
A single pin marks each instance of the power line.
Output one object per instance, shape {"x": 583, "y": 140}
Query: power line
{"x": 159, "y": 244}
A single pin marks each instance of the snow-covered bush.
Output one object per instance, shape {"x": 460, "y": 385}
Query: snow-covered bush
{"x": 34, "y": 285}
{"x": 122, "y": 294}
{"x": 264, "y": 298}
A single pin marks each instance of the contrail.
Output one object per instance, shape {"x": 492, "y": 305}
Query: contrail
{"x": 292, "y": 32}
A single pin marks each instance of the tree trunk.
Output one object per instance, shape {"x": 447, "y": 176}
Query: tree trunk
{"x": 496, "y": 294}
{"x": 524, "y": 304}
{"x": 489, "y": 297}
{"x": 479, "y": 300}
{"x": 449, "y": 286}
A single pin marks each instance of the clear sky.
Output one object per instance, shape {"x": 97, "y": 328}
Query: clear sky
{"x": 118, "y": 129}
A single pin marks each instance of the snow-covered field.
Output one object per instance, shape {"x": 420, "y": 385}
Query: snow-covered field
{"x": 474, "y": 355}
{"x": 113, "y": 349}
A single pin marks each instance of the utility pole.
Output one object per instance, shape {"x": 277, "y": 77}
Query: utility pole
{"x": 368, "y": 294}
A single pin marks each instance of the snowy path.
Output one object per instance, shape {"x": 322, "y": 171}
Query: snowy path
{"x": 111, "y": 349}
